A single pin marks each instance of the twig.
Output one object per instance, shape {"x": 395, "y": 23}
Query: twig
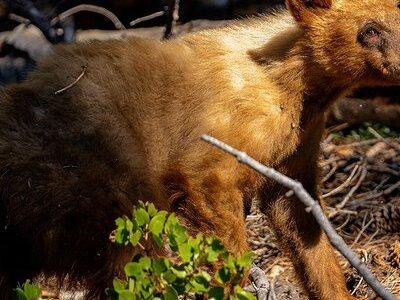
{"x": 344, "y": 224}
{"x": 90, "y": 8}
{"x": 353, "y": 189}
{"x": 362, "y": 278}
{"x": 331, "y": 172}
{"x": 330, "y": 161}
{"x": 344, "y": 184}
{"x": 147, "y": 18}
{"x": 173, "y": 17}
{"x": 392, "y": 188}
{"x": 362, "y": 231}
{"x": 372, "y": 237}
{"x": 387, "y": 191}
{"x": 311, "y": 206}
{"x": 358, "y": 144}
{"x": 19, "y": 19}
{"x": 336, "y": 128}
{"x": 73, "y": 83}
{"x": 379, "y": 137}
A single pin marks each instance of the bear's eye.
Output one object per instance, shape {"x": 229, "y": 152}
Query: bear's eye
{"x": 370, "y": 35}
{"x": 370, "y": 32}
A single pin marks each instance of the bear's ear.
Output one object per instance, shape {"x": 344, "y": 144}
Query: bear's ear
{"x": 302, "y": 10}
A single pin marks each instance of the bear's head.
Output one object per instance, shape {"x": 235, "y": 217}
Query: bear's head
{"x": 352, "y": 40}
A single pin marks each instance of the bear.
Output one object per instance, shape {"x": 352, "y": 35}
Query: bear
{"x": 99, "y": 126}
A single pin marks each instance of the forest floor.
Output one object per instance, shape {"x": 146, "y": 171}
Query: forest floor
{"x": 361, "y": 187}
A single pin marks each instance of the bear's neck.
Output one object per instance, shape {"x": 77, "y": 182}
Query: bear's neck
{"x": 300, "y": 77}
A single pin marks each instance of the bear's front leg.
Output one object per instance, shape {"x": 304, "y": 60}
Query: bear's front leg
{"x": 313, "y": 257}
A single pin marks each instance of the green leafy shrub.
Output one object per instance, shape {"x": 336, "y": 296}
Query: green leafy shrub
{"x": 187, "y": 273}
{"x": 27, "y": 291}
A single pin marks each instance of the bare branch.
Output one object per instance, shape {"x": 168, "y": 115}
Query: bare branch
{"x": 147, "y": 18}
{"x": 311, "y": 206}
{"x": 173, "y": 17}
{"x": 91, "y": 8}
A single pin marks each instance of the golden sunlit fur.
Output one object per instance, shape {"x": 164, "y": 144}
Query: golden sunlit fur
{"x": 129, "y": 130}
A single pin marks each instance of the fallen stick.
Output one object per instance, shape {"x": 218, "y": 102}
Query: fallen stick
{"x": 311, "y": 206}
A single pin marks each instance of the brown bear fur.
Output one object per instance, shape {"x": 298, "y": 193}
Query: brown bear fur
{"x": 129, "y": 130}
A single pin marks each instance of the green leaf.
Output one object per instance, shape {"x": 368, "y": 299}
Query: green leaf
{"x": 200, "y": 284}
{"x": 243, "y": 295}
{"x": 119, "y": 285}
{"x": 131, "y": 285}
{"x": 172, "y": 242}
{"x": 120, "y": 222}
{"x": 180, "y": 234}
{"x": 20, "y": 294}
{"x": 212, "y": 256}
{"x": 178, "y": 273}
{"x": 133, "y": 269}
{"x": 145, "y": 263}
{"x": 245, "y": 260}
{"x": 152, "y": 210}
{"x": 126, "y": 295}
{"x": 170, "y": 223}
{"x": 129, "y": 226}
{"x": 216, "y": 293}
{"x": 230, "y": 262}
{"x": 158, "y": 240}
{"x": 160, "y": 266}
{"x": 141, "y": 205}
{"x": 169, "y": 276}
{"x": 170, "y": 293}
{"x": 156, "y": 225}
{"x": 216, "y": 245}
{"x": 121, "y": 236}
{"x": 223, "y": 275}
{"x": 185, "y": 252}
{"x": 135, "y": 237}
{"x": 206, "y": 275}
{"x": 141, "y": 216}
{"x": 32, "y": 291}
